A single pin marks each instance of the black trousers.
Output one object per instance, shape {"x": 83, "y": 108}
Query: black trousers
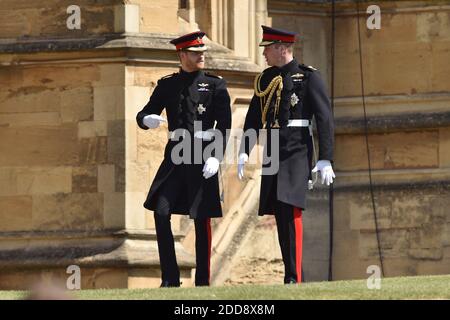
{"x": 170, "y": 272}
{"x": 172, "y": 191}
{"x": 290, "y": 236}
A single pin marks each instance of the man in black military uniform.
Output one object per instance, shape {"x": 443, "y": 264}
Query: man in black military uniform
{"x": 194, "y": 100}
{"x": 287, "y": 96}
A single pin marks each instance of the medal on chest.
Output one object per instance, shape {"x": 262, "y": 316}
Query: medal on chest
{"x": 294, "y": 100}
{"x": 201, "y": 109}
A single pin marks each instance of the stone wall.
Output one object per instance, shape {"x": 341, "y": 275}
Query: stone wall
{"x": 157, "y": 16}
{"x": 407, "y": 88}
{"x": 47, "y": 18}
{"x": 54, "y": 147}
{"x": 70, "y": 166}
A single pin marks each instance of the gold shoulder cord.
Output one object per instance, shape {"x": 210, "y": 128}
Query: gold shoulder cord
{"x": 275, "y": 85}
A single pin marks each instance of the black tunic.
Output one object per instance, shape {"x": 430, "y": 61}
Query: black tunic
{"x": 181, "y": 94}
{"x": 290, "y": 183}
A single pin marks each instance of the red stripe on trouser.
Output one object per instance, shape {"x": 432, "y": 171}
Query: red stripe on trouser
{"x": 298, "y": 242}
{"x": 208, "y": 230}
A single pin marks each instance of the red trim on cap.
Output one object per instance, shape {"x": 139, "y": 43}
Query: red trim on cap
{"x": 276, "y": 37}
{"x": 190, "y": 43}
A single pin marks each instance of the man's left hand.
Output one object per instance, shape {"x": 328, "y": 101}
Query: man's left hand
{"x": 211, "y": 167}
{"x": 326, "y": 171}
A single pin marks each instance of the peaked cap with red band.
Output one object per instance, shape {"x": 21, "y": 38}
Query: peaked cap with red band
{"x": 272, "y": 35}
{"x": 190, "y": 42}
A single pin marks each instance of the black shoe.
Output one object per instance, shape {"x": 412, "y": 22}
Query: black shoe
{"x": 202, "y": 284}
{"x": 290, "y": 281}
{"x": 167, "y": 284}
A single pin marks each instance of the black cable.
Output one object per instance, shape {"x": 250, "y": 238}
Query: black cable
{"x": 331, "y": 190}
{"x": 367, "y": 142}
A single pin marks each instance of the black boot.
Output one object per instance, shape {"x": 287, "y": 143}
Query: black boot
{"x": 202, "y": 284}
{"x": 290, "y": 281}
{"x": 168, "y": 284}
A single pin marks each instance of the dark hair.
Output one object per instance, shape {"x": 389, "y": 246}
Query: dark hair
{"x": 289, "y": 46}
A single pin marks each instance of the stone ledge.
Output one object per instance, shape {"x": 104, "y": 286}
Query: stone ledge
{"x": 381, "y": 105}
{"x": 158, "y": 41}
{"x": 49, "y": 249}
{"x": 73, "y": 234}
{"x": 127, "y": 253}
{"x": 104, "y": 41}
{"x": 218, "y": 57}
{"x": 387, "y": 177}
{"x": 443, "y": 185}
{"x": 392, "y": 123}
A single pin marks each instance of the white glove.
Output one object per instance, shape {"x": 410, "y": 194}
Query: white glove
{"x": 153, "y": 121}
{"x": 211, "y": 167}
{"x": 243, "y": 158}
{"x": 326, "y": 171}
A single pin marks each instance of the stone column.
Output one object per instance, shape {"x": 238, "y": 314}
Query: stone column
{"x": 261, "y": 18}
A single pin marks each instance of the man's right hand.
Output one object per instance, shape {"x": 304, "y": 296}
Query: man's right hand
{"x": 243, "y": 158}
{"x": 153, "y": 121}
